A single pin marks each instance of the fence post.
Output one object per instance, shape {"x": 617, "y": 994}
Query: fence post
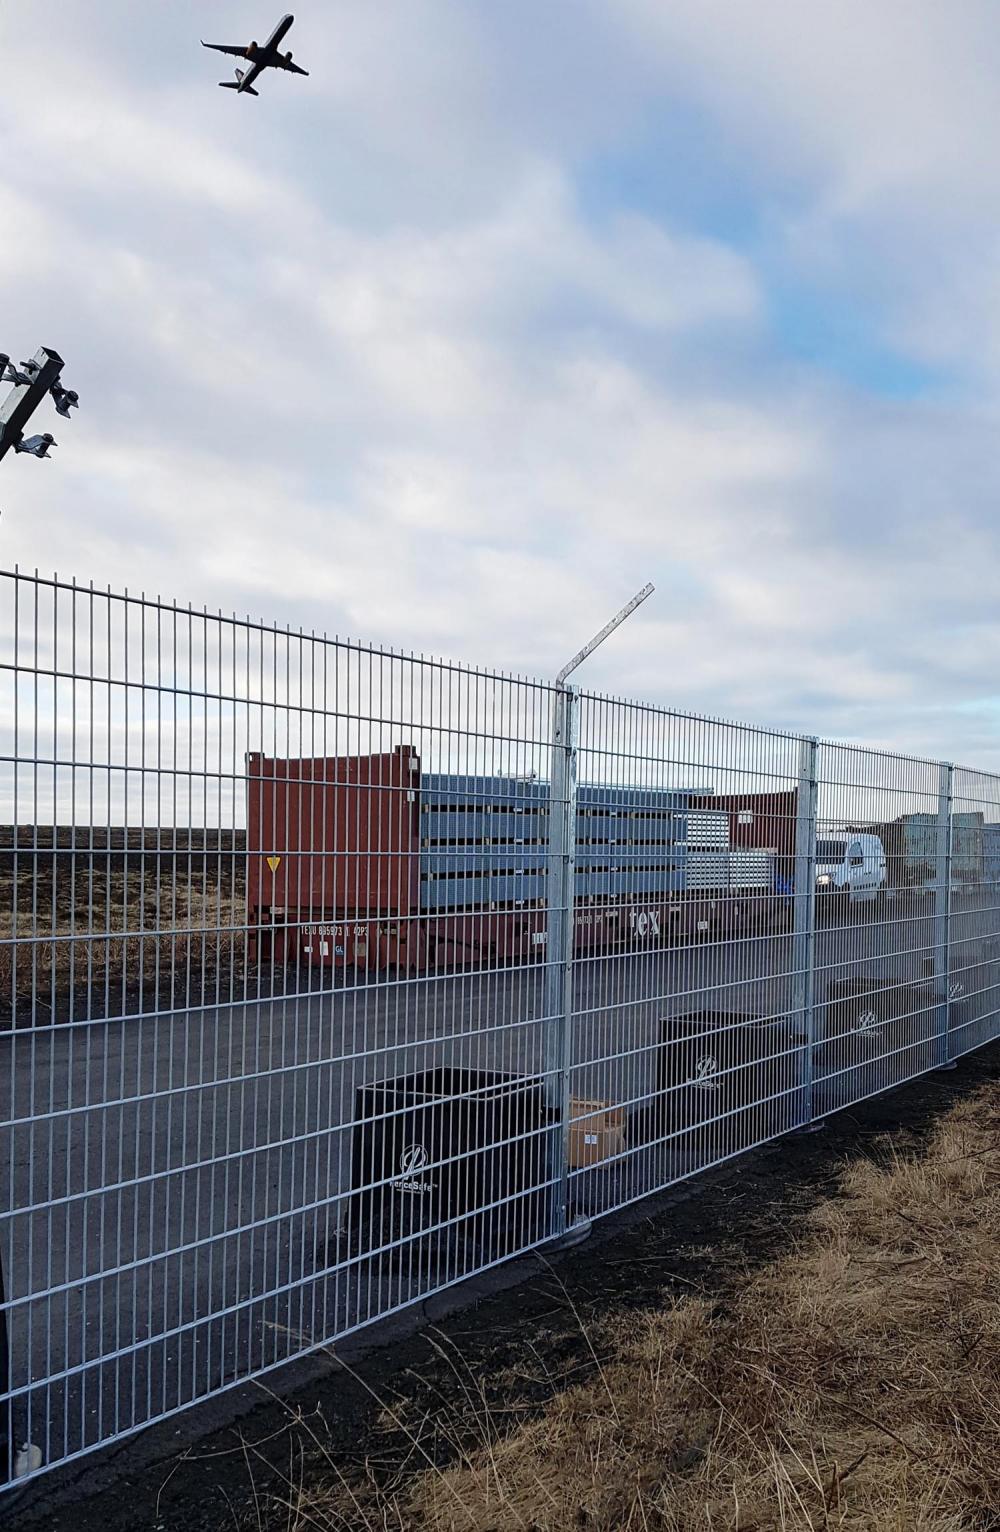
{"x": 942, "y": 915}
{"x": 804, "y": 917}
{"x": 560, "y": 887}
{"x": 6, "y": 1383}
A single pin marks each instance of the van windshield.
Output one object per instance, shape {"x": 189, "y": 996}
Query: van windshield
{"x": 830, "y": 850}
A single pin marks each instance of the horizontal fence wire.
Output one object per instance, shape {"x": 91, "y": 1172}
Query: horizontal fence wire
{"x": 331, "y": 976}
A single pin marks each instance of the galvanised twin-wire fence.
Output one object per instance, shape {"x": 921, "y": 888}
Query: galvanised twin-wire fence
{"x": 330, "y": 976}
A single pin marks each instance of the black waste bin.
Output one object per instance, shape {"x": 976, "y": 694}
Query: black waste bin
{"x": 725, "y": 1080}
{"x": 449, "y": 1164}
{"x": 873, "y": 1032}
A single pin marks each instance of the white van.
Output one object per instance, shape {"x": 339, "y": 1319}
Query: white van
{"x": 850, "y": 863}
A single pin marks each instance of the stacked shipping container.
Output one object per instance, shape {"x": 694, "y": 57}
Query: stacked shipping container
{"x": 366, "y": 861}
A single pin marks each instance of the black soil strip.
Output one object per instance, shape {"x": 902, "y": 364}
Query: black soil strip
{"x": 507, "y": 1353}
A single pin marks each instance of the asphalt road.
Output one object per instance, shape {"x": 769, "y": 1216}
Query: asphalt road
{"x": 177, "y": 1181}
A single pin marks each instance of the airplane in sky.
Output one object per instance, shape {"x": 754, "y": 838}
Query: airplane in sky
{"x": 259, "y": 57}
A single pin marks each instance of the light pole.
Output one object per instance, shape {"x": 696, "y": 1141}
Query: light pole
{"x": 31, "y": 382}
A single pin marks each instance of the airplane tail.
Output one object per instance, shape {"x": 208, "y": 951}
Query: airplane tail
{"x": 237, "y": 84}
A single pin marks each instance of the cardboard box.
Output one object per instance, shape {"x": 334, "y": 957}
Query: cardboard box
{"x": 596, "y": 1132}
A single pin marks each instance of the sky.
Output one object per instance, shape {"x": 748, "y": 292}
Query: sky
{"x": 507, "y": 310}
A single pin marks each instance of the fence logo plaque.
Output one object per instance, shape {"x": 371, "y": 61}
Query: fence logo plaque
{"x": 705, "y": 1073}
{"x": 412, "y": 1162}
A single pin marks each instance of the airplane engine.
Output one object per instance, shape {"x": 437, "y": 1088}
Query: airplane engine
{"x": 288, "y": 56}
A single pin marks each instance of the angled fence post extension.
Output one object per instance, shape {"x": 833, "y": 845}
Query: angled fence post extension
{"x": 560, "y": 884}
{"x": 942, "y": 915}
{"x": 804, "y": 919}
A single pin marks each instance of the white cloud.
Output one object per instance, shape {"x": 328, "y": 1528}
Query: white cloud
{"x": 850, "y": 95}
{"x": 875, "y": 123}
{"x": 365, "y": 356}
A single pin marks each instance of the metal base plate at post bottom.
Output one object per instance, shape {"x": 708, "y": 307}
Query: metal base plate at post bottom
{"x": 579, "y": 1230}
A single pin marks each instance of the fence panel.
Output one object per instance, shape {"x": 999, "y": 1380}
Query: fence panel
{"x": 330, "y": 976}
{"x": 275, "y": 1054}
{"x": 881, "y": 958}
{"x": 690, "y": 1036}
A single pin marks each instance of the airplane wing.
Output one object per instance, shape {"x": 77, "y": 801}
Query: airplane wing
{"x": 238, "y": 53}
{"x": 280, "y": 62}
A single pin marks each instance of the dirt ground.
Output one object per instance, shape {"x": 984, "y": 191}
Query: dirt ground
{"x": 364, "y": 1436}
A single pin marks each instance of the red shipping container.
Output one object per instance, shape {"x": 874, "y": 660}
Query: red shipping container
{"x": 760, "y": 821}
{"x": 334, "y": 837}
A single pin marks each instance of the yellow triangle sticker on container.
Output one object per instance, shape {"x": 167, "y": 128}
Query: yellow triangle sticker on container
{"x": 274, "y": 862}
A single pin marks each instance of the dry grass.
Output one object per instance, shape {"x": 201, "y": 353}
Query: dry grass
{"x": 854, "y": 1384}
{"x": 102, "y": 928}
